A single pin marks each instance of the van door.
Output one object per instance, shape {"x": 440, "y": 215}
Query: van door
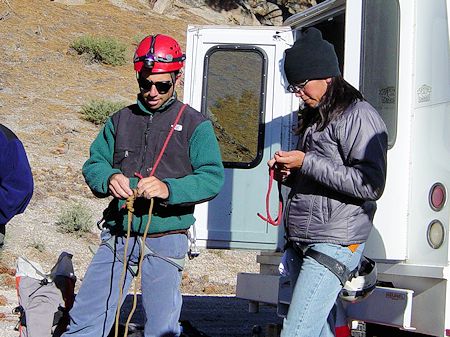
{"x": 232, "y": 75}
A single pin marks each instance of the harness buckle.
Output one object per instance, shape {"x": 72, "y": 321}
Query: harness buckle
{"x": 193, "y": 251}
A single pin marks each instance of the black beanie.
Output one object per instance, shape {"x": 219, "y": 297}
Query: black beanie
{"x": 311, "y": 57}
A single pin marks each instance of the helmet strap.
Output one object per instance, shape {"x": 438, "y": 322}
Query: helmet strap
{"x": 152, "y": 44}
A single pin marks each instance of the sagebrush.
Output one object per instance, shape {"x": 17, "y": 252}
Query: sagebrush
{"x": 98, "y": 111}
{"x": 76, "y": 218}
{"x": 106, "y": 50}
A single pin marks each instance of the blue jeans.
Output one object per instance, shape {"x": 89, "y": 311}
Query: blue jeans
{"x": 313, "y": 307}
{"x": 94, "y": 310}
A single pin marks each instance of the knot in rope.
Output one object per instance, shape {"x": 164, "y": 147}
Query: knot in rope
{"x": 130, "y": 201}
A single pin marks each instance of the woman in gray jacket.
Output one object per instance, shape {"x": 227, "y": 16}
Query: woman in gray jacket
{"x": 336, "y": 173}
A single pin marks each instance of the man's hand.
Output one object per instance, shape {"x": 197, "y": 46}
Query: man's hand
{"x": 119, "y": 186}
{"x": 151, "y": 187}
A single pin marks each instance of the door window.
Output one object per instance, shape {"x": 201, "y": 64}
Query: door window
{"x": 380, "y": 54}
{"x": 233, "y": 91}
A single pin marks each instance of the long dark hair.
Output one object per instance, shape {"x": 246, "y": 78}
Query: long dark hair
{"x": 339, "y": 96}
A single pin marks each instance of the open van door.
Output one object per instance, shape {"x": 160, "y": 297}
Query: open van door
{"x": 232, "y": 76}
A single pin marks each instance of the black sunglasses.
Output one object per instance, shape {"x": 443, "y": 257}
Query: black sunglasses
{"x": 162, "y": 86}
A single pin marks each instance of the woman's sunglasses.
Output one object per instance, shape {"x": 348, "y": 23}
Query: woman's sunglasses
{"x": 294, "y": 88}
{"x": 162, "y": 86}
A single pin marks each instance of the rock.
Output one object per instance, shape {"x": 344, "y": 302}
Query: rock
{"x": 3, "y": 300}
{"x": 243, "y": 16}
{"x": 71, "y": 2}
{"x": 122, "y": 4}
{"x": 267, "y": 13}
{"x": 247, "y": 12}
{"x": 161, "y": 6}
{"x": 8, "y": 281}
{"x": 6, "y": 270}
{"x": 210, "y": 289}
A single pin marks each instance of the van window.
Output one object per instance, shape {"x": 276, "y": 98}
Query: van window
{"x": 380, "y": 51}
{"x": 234, "y": 88}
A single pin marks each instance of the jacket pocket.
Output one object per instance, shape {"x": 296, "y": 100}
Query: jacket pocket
{"x": 301, "y": 209}
{"x": 336, "y": 210}
{"x": 126, "y": 159}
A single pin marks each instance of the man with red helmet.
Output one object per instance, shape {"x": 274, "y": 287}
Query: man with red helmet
{"x": 164, "y": 157}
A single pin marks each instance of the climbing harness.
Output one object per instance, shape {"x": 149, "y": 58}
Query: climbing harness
{"x": 357, "y": 284}
{"x": 269, "y": 218}
{"x": 130, "y": 208}
{"x": 193, "y": 250}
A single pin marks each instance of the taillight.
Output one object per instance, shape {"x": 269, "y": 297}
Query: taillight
{"x": 435, "y": 234}
{"x": 437, "y": 196}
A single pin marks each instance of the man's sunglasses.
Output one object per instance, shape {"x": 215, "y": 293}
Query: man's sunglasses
{"x": 162, "y": 86}
{"x": 294, "y": 88}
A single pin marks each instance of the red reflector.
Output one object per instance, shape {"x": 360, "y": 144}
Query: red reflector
{"x": 437, "y": 196}
{"x": 447, "y": 332}
{"x": 342, "y": 331}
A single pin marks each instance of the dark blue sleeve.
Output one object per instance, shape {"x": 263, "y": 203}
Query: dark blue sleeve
{"x": 16, "y": 180}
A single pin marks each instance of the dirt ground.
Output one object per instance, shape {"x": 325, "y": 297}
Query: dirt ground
{"x": 43, "y": 85}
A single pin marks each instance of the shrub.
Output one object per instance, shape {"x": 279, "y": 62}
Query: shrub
{"x": 39, "y": 246}
{"x": 76, "y": 218}
{"x": 98, "y": 111}
{"x": 101, "y": 49}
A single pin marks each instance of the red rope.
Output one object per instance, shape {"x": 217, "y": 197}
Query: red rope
{"x": 167, "y": 139}
{"x": 269, "y": 218}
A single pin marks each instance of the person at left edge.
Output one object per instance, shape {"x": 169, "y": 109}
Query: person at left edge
{"x": 16, "y": 179}
{"x": 189, "y": 173}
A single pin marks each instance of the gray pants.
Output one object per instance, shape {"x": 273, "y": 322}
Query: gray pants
{"x": 93, "y": 313}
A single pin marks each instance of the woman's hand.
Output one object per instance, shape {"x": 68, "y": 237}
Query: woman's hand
{"x": 280, "y": 173}
{"x": 289, "y": 160}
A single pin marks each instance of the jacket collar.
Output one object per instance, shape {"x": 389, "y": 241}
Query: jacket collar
{"x": 162, "y": 108}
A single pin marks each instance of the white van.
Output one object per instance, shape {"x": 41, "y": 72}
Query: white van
{"x": 397, "y": 53}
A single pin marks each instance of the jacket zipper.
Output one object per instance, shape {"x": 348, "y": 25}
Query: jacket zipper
{"x": 141, "y": 170}
{"x": 147, "y": 130}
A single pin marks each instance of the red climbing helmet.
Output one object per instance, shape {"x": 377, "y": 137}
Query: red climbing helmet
{"x": 160, "y": 53}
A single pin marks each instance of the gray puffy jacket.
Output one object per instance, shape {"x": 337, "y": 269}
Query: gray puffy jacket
{"x": 343, "y": 173}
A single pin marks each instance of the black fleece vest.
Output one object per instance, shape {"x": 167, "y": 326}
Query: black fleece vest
{"x": 139, "y": 138}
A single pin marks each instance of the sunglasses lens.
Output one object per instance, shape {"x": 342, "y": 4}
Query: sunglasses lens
{"x": 295, "y": 88}
{"x": 145, "y": 84}
{"x": 163, "y": 87}
{"x": 292, "y": 88}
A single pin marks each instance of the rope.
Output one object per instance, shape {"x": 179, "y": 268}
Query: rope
{"x": 130, "y": 207}
{"x": 141, "y": 259}
{"x": 269, "y": 218}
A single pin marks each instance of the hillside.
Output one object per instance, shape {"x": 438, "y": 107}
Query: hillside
{"x": 43, "y": 85}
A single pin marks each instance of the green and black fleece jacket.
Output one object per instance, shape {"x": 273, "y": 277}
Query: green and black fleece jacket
{"x": 130, "y": 142}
